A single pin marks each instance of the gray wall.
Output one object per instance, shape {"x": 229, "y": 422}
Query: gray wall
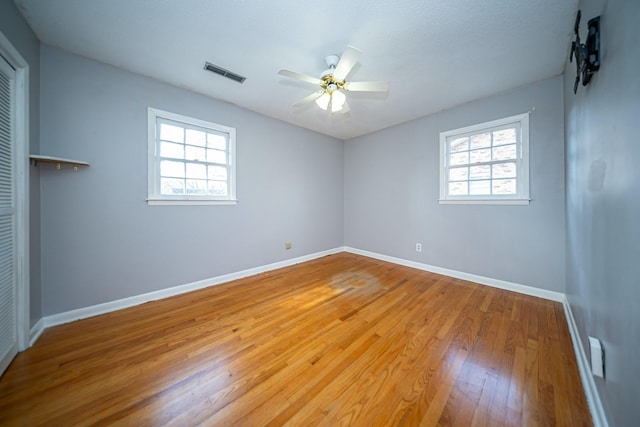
{"x": 14, "y": 27}
{"x": 102, "y": 242}
{"x": 392, "y": 189}
{"x": 603, "y": 205}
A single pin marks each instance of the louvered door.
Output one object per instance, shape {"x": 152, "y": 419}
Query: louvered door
{"x": 8, "y": 313}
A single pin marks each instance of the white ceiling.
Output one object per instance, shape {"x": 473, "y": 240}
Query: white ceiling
{"x": 436, "y": 53}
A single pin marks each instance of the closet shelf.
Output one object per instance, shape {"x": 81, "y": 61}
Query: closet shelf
{"x": 58, "y": 161}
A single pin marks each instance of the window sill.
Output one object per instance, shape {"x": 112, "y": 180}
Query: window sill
{"x": 484, "y": 201}
{"x": 187, "y": 202}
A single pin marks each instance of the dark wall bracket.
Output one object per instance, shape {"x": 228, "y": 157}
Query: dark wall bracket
{"x": 587, "y": 54}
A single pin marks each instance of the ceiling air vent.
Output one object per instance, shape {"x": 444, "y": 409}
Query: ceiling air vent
{"x": 225, "y": 73}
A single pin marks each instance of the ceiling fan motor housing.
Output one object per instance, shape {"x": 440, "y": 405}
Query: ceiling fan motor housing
{"x": 332, "y": 62}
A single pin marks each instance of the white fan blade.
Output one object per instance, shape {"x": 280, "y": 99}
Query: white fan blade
{"x": 367, "y": 86}
{"x": 347, "y": 61}
{"x": 298, "y": 76}
{"x": 308, "y": 99}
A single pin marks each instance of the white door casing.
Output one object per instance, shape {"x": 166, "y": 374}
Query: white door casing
{"x": 14, "y": 196}
{"x": 8, "y": 294}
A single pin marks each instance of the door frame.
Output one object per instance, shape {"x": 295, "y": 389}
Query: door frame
{"x": 21, "y": 171}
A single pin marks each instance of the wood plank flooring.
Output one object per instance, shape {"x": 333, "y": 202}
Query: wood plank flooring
{"x": 341, "y": 340}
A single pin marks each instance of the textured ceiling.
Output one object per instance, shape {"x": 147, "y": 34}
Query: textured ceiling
{"x": 436, "y": 53}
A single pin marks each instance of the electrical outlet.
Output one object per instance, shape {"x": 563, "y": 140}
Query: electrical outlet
{"x": 597, "y": 357}
{"x": 287, "y": 245}
{"x": 418, "y": 247}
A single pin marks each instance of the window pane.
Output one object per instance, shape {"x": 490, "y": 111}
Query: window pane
{"x": 172, "y": 169}
{"x": 195, "y": 153}
{"x": 189, "y": 159}
{"x": 218, "y": 172}
{"x": 171, "y": 133}
{"x": 459, "y": 174}
{"x": 478, "y": 188}
{"x": 217, "y": 156}
{"x": 504, "y": 186}
{"x": 195, "y": 170}
{"x": 218, "y": 142}
{"x": 458, "y": 188}
{"x": 504, "y": 136}
{"x": 481, "y": 140}
{"x": 169, "y": 149}
{"x": 459, "y": 144}
{"x": 171, "y": 186}
{"x": 196, "y": 186}
{"x": 484, "y": 162}
{"x": 196, "y": 137}
{"x": 478, "y": 156}
{"x": 505, "y": 152}
{"x": 218, "y": 188}
{"x": 504, "y": 170}
{"x": 480, "y": 172}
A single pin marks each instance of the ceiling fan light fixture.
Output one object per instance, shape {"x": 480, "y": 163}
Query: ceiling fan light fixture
{"x": 323, "y": 101}
{"x": 337, "y": 101}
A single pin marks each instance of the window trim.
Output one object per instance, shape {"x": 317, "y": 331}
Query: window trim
{"x": 522, "y": 193}
{"x": 154, "y": 198}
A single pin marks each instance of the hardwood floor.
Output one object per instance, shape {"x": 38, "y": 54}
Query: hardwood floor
{"x": 341, "y": 340}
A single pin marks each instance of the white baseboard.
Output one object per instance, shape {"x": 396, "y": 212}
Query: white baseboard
{"x": 85, "y": 312}
{"x": 502, "y": 284}
{"x": 589, "y": 385}
{"x": 36, "y": 331}
{"x": 94, "y": 310}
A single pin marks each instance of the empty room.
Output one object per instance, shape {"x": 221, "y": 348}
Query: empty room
{"x": 361, "y": 213}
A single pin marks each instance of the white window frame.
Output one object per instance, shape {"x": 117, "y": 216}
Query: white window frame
{"x": 522, "y": 163}
{"x": 154, "y": 196}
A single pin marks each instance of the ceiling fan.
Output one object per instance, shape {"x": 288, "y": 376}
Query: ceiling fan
{"x": 332, "y": 82}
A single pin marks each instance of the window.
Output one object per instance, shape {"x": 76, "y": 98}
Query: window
{"x": 190, "y": 161}
{"x": 486, "y": 163}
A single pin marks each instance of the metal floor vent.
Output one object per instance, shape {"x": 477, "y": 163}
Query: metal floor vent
{"x": 225, "y": 73}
